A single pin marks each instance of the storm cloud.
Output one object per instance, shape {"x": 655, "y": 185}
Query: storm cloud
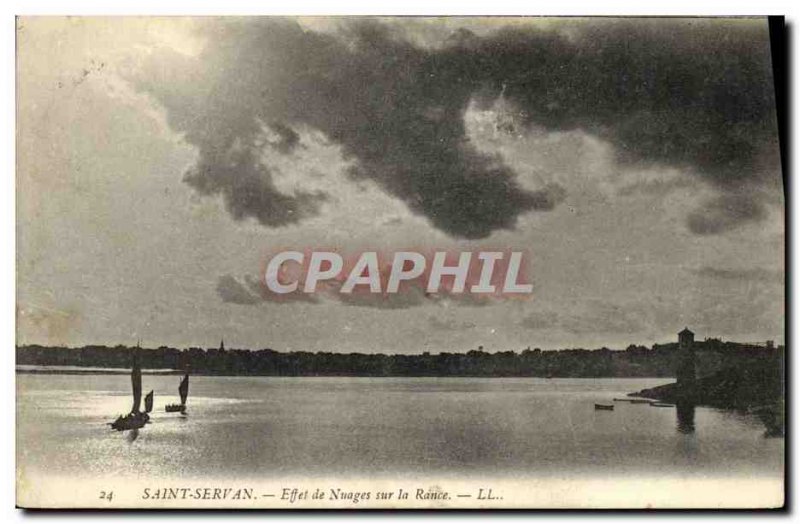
{"x": 249, "y": 291}
{"x": 694, "y": 94}
{"x": 232, "y": 291}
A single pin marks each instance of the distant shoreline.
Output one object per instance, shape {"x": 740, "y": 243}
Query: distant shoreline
{"x": 88, "y": 370}
{"x": 658, "y": 361}
{"x": 173, "y": 372}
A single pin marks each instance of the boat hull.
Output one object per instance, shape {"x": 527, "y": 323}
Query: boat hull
{"x": 130, "y": 421}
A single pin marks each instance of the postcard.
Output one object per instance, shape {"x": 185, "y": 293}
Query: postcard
{"x": 400, "y": 263}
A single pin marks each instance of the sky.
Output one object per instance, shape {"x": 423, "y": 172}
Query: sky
{"x": 161, "y": 160}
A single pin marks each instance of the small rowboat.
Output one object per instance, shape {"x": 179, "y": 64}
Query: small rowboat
{"x": 662, "y": 405}
{"x": 604, "y": 407}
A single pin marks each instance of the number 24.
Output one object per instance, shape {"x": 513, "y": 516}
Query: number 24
{"x": 106, "y": 495}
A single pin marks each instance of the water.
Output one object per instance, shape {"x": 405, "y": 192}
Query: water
{"x": 270, "y": 427}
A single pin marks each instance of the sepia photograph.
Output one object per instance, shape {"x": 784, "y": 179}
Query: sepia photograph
{"x": 400, "y": 262}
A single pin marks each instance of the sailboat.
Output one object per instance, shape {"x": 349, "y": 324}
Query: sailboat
{"x": 183, "y": 391}
{"x": 136, "y": 418}
{"x": 148, "y": 402}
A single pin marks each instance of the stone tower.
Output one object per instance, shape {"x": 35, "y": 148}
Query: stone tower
{"x": 686, "y": 371}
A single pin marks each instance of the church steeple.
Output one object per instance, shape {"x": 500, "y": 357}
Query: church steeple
{"x": 222, "y": 344}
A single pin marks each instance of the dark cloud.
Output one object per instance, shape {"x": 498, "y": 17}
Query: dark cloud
{"x": 690, "y": 93}
{"x": 462, "y": 299}
{"x": 695, "y": 94}
{"x": 230, "y": 290}
{"x": 251, "y": 292}
{"x": 287, "y": 138}
{"x": 411, "y": 297}
{"x": 683, "y": 92}
{"x": 258, "y": 287}
{"x": 726, "y": 212}
{"x": 249, "y": 192}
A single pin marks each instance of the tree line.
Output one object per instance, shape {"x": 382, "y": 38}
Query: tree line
{"x": 634, "y": 361}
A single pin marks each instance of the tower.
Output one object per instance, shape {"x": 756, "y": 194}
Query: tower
{"x": 222, "y": 344}
{"x": 686, "y": 372}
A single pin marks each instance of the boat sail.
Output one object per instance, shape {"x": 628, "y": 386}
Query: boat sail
{"x": 136, "y": 382}
{"x": 183, "y": 391}
{"x": 135, "y": 419}
{"x": 148, "y": 402}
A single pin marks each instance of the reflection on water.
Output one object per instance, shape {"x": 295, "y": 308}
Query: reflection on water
{"x": 685, "y": 412}
{"x": 273, "y": 427}
{"x": 772, "y": 418}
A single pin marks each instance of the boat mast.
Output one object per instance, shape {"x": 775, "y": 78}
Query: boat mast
{"x": 136, "y": 381}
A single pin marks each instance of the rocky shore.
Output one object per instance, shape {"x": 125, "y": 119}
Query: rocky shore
{"x": 756, "y": 388}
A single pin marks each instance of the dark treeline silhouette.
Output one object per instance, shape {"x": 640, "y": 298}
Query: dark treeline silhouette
{"x": 635, "y": 361}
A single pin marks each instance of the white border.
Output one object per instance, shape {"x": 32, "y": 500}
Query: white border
{"x": 314, "y": 7}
